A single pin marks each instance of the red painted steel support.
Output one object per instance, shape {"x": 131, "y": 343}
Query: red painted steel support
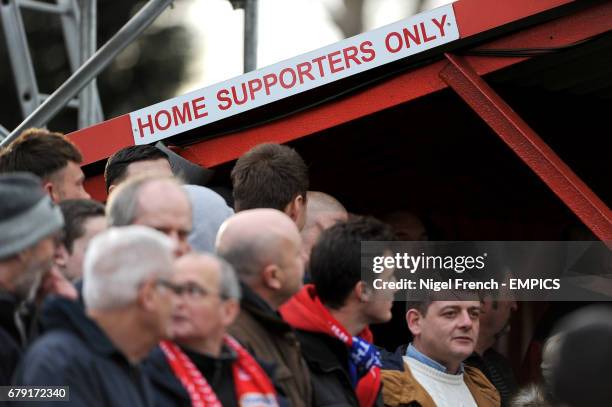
{"x": 559, "y": 177}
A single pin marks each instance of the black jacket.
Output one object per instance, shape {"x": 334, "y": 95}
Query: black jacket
{"x": 499, "y": 372}
{"x": 13, "y": 336}
{"x": 168, "y": 389}
{"x": 327, "y": 359}
{"x": 218, "y": 372}
{"x": 75, "y": 352}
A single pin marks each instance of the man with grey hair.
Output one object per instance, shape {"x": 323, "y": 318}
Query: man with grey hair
{"x": 29, "y": 225}
{"x": 265, "y": 248}
{"x": 207, "y": 305}
{"x": 157, "y": 202}
{"x": 95, "y": 350}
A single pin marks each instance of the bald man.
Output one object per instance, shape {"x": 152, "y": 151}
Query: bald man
{"x": 158, "y": 202}
{"x": 322, "y": 212}
{"x": 265, "y": 248}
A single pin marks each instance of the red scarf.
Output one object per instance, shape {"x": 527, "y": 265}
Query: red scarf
{"x": 253, "y": 387}
{"x": 306, "y": 312}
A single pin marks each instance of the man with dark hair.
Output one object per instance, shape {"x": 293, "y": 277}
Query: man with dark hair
{"x": 51, "y": 157}
{"x": 29, "y": 224}
{"x": 133, "y": 160}
{"x": 271, "y": 176}
{"x": 84, "y": 218}
{"x": 429, "y": 371}
{"x": 333, "y": 315}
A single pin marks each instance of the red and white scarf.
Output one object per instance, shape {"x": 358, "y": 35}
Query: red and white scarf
{"x": 252, "y": 385}
{"x": 306, "y": 312}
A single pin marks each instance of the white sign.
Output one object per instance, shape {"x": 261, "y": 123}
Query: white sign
{"x": 313, "y": 69}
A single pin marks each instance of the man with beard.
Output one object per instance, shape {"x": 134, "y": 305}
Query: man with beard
{"x": 29, "y": 224}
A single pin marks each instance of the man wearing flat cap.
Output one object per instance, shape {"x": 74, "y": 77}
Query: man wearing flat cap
{"x": 29, "y": 224}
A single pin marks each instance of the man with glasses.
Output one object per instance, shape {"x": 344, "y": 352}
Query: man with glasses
{"x": 203, "y": 362}
{"x": 96, "y": 350}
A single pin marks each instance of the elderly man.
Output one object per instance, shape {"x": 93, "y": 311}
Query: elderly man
{"x": 322, "y": 212}
{"x": 50, "y": 156}
{"x": 29, "y": 225}
{"x": 429, "y": 372}
{"x": 127, "y": 291}
{"x": 264, "y": 247}
{"x": 157, "y": 202}
{"x": 271, "y": 176}
{"x": 207, "y": 305}
{"x": 135, "y": 160}
{"x": 333, "y": 315}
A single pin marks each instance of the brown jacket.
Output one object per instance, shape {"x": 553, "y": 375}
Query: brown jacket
{"x": 270, "y": 339}
{"x": 400, "y": 388}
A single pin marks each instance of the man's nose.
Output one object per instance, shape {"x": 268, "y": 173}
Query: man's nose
{"x": 182, "y": 246}
{"x": 465, "y": 320}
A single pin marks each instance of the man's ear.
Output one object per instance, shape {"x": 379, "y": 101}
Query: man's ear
{"x": 230, "y": 310}
{"x": 362, "y": 293}
{"x": 296, "y": 210}
{"x": 146, "y": 296}
{"x": 61, "y": 256}
{"x": 414, "y": 319}
{"x": 51, "y": 191}
{"x": 271, "y": 276}
{"x": 110, "y": 189}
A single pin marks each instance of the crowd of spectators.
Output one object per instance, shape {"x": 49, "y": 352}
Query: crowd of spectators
{"x": 169, "y": 294}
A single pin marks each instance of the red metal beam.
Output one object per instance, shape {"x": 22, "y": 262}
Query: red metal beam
{"x": 403, "y": 88}
{"x": 534, "y": 152}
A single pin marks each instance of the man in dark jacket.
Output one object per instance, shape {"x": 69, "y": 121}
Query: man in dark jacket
{"x": 128, "y": 303}
{"x": 208, "y": 303}
{"x": 333, "y": 314}
{"x": 494, "y": 324}
{"x": 264, "y": 247}
{"x": 29, "y": 223}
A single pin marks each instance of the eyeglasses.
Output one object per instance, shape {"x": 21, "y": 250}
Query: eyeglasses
{"x": 193, "y": 292}
{"x": 176, "y": 289}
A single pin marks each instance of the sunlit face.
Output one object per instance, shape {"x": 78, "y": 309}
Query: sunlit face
{"x": 448, "y": 331}
{"x": 165, "y": 207}
{"x": 292, "y": 263}
{"x": 68, "y": 183}
{"x": 74, "y": 263}
{"x": 200, "y": 311}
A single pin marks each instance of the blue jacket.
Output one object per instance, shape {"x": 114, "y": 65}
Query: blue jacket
{"x": 75, "y": 352}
